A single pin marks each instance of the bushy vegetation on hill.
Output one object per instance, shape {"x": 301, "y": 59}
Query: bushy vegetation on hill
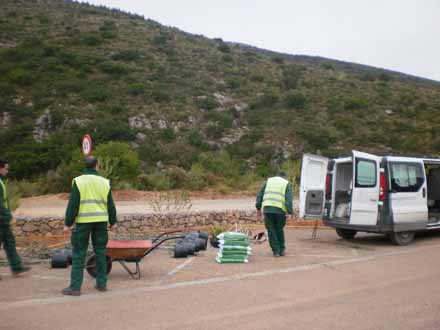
{"x": 168, "y": 109}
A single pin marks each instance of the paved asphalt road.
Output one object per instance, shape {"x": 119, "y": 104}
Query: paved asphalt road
{"x": 323, "y": 284}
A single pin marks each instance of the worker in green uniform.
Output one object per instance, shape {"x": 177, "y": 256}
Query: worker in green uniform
{"x": 90, "y": 209}
{"x": 275, "y": 197}
{"x": 7, "y": 238}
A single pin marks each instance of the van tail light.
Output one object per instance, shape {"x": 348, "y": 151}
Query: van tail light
{"x": 327, "y": 186}
{"x": 382, "y": 190}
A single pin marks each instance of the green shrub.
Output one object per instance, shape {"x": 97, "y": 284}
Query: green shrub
{"x": 155, "y": 181}
{"x": 21, "y": 77}
{"x": 178, "y": 177}
{"x": 277, "y": 59}
{"x": 269, "y": 100}
{"x": 128, "y": 55}
{"x": 60, "y": 179}
{"x": 257, "y": 77}
{"x": 327, "y": 66}
{"x": 197, "y": 177}
{"x": 168, "y": 134}
{"x": 224, "y": 48}
{"x": 96, "y": 93}
{"x": 28, "y": 189}
{"x": 233, "y": 83}
{"x": 112, "y": 69}
{"x": 108, "y": 30}
{"x": 136, "y": 89}
{"x": 160, "y": 94}
{"x": 223, "y": 119}
{"x": 220, "y": 163}
{"x": 161, "y": 39}
{"x": 14, "y": 196}
{"x": 207, "y": 103}
{"x": 227, "y": 58}
{"x": 118, "y": 161}
{"x": 292, "y": 74}
{"x": 105, "y": 130}
{"x": 295, "y": 100}
{"x": 354, "y": 103}
{"x": 90, "y": 40}
{"x": 214, "y": 131}
{"x": 197, "y": 140}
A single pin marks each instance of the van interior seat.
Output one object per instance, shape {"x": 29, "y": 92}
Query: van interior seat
{"x": 342, "y": 210}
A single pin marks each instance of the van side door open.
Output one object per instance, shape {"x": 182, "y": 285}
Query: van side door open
{"x": 408, "y": 195}
{"x": 365, "y": 189}
{"x": 312, "y": 186}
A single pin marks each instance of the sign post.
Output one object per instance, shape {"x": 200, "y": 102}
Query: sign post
{"x": 86, "y": 145}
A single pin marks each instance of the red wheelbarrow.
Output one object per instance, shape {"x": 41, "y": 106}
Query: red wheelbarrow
{"x": 129, "y": 251}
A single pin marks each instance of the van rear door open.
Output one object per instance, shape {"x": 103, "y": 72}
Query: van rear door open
{"x": 365, "y": 189}
{"x": 312, "y": 186}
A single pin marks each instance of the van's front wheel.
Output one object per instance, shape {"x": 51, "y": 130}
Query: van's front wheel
{"x": 402, "y": 238}
{"x": 346, "y": 233}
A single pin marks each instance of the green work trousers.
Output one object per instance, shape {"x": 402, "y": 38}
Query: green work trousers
{"x": 80, "y": 243}
{"x": 275, "y": 228}
{"x": 7, "y": 239}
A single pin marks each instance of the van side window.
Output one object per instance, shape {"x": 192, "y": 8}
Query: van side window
{"x": 406, "y": 177}
{"x": 365, "y": 173}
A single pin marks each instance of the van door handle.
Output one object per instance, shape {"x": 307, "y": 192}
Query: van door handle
{"x": 373, "y": 200}
{"x": 424, "y": 192}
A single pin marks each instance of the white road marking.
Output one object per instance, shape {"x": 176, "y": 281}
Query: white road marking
{"x": 236, "y": 277}
{"x": 180, "y": 267}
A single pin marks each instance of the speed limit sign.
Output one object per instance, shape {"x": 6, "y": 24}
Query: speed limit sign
{"x": 87, "y": 145}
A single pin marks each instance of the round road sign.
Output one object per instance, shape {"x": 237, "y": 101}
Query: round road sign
{"x": 87, "y": 145}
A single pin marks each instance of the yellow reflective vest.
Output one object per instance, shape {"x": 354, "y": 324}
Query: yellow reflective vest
{"x": 275, "y": 192}
{"x": 5, "y": 195}
{"x": 93, "y": 191}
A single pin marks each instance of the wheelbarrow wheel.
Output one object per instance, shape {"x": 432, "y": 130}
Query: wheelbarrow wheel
{"x": 91, "y": 265}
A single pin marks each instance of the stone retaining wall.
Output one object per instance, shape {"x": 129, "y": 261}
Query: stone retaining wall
{"x": 141, "y": 223}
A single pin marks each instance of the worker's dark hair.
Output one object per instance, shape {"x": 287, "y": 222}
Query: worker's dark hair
{"x": 91, "y": 162}
{"x": 281, "y": 174}
{"x": 3, "y": 162}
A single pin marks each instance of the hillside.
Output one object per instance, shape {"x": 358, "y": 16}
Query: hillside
{"x": 195, "y": 111}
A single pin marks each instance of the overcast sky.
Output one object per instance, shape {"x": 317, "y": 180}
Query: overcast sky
{"x": 401, "y": 35}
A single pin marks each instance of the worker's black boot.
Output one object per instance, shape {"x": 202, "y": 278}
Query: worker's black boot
{"x": 23, "y": 269}
{"x": 71, "y": 292}
{"x": 101, "y": 288}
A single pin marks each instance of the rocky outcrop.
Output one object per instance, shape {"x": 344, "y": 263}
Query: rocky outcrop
{"x": 142, "y": 122}
{"x": 5, "y": 119}
{"x": 43, "y": 126}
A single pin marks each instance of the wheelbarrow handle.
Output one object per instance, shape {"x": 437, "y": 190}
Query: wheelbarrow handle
{"x": 160, "y": 243}
{"x": 166, "y": 233}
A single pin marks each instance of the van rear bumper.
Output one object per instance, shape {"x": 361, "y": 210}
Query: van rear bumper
{"x": 343, "y": 224}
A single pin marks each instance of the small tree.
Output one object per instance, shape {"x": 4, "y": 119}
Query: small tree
{"x": 118, "y": 162}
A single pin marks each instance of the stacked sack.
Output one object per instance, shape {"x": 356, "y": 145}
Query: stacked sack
{"x": 233, "y": 248}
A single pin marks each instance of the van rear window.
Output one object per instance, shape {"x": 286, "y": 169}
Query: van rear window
{"x": 365, "y": 173}
{"x": 406, "y": 177}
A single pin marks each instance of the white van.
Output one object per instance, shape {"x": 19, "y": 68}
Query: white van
{"x": 395, "y": 196}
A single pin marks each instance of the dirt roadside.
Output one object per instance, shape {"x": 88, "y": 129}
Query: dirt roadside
{"x": 131, "y": 202}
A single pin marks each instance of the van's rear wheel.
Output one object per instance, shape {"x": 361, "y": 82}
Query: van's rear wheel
{"x": 346, "y": 233}
{"x": 402, "y": 238}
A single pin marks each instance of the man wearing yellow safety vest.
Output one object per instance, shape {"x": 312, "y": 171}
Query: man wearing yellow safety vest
{"x": 7, "y": 238}
{"x": 91, "y": 208}
{"x": 275, "y": 197}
